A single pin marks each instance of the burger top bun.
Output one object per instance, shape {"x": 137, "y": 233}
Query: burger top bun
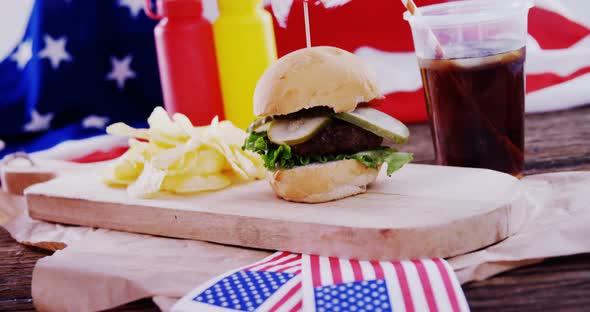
{"x": 311, "y": 77}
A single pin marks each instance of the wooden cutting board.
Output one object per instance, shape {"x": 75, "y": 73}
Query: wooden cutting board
{"x": 421, "y": 211}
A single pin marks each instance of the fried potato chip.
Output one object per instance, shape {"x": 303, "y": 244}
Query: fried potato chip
{"x": 201, "y": 162}
{"x": 127, "y": 169}
{"x": 166, "y": 158}
{"x": 149, "y": 182}
{"x": 163, "y": 131}
{"x": 112, "y": 181}
{"x": 122, "y": 129}
{"x": 207, "y": 162}
{"x": 160, "y": 121}
{"x": 250, "y": 163}
{"x": 195, "y": 183}
{"x": 174, "y": 156}
{"x": 184, "y": 123}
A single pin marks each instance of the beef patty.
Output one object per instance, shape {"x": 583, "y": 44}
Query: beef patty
{"x": 339, "y": 137}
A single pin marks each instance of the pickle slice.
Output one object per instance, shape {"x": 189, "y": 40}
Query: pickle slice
{"x": 295, "y": 131}
{"x": 378, "y": 123}
{"x": 261, "y": 128}
{"x": 260, "y": 125}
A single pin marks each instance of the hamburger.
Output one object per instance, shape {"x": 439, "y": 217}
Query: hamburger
{"x": 318, "y": 135}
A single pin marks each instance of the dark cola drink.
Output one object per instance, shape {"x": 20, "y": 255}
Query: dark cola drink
{"x": 476, "y": 108}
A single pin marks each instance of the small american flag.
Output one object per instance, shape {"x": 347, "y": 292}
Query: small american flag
{"x": 332, "y": 284}
{"x": 292, "y": 282}
{"x": 272, "y": 284}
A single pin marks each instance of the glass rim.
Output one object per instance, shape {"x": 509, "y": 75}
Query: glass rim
{"x": 456, "y": 13}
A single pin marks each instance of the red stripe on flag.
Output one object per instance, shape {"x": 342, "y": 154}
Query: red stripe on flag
{"x": 286, "y": 297}
{"x": 566, "y": 34}
{"x": 297, "y": 307}
{"x": 297, "y": 272}
{"x": 288, "y": 267}
{"x": 270, "y": 266}
{"x": 406, "y": 106}
{"x": 428, "y": 293}
{"x": 277, "y": 257}
{"x": 356, "y": 270}
{"x": 378, "y": 270}
{"x": 404, "y": 286}
{"x": 97, "y": 156}
{"x": 316, "y": 278}
{"x": 448, "y": 284}
{"x": 536, "y": 82}
{"x": 336, "y": 272}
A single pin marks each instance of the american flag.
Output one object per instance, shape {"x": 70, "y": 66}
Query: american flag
{"x": 291, "y": 282}
{"x": 68, "y": 68}
{"x": 272, "y": 284}
{"x": 332, "y": 284}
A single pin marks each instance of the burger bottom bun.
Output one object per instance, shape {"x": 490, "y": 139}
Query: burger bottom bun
{"x": 318, "y": 183}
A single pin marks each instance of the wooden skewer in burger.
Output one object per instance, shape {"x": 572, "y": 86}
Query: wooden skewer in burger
{"x": 318, "y": 135}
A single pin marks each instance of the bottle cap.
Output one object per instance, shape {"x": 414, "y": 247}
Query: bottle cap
{"x": 180, "y": 8}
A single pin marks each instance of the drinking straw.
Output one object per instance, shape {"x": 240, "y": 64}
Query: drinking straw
{"x": 307, "y": 31}
{"x": 432, "y": 41}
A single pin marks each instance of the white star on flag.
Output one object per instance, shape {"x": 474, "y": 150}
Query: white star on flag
{"x": 94, "y": 121}
{"x": 121, "y": 71}
{"x": 55, "y": 51}
{"x": 38, "y": 122}
{"x": 281, "y": 9}
{"x": 134, "y": 6}
{"x": 23, "y": 54}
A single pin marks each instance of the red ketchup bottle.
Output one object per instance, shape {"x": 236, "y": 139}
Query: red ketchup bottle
{"x": 186, "y": 59}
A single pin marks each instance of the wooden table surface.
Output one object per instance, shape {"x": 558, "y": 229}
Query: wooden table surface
{"x": 554, "y": 142}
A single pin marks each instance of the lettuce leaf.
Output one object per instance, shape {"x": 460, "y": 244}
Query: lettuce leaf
{"x": 277, "y": 156}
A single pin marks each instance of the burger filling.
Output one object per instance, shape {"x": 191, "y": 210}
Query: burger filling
{"x": 303, "y": 138}
{"x": 338, "y": 137}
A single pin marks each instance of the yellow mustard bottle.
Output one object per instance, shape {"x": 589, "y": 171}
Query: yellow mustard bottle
{"x": 245, "y": 46}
